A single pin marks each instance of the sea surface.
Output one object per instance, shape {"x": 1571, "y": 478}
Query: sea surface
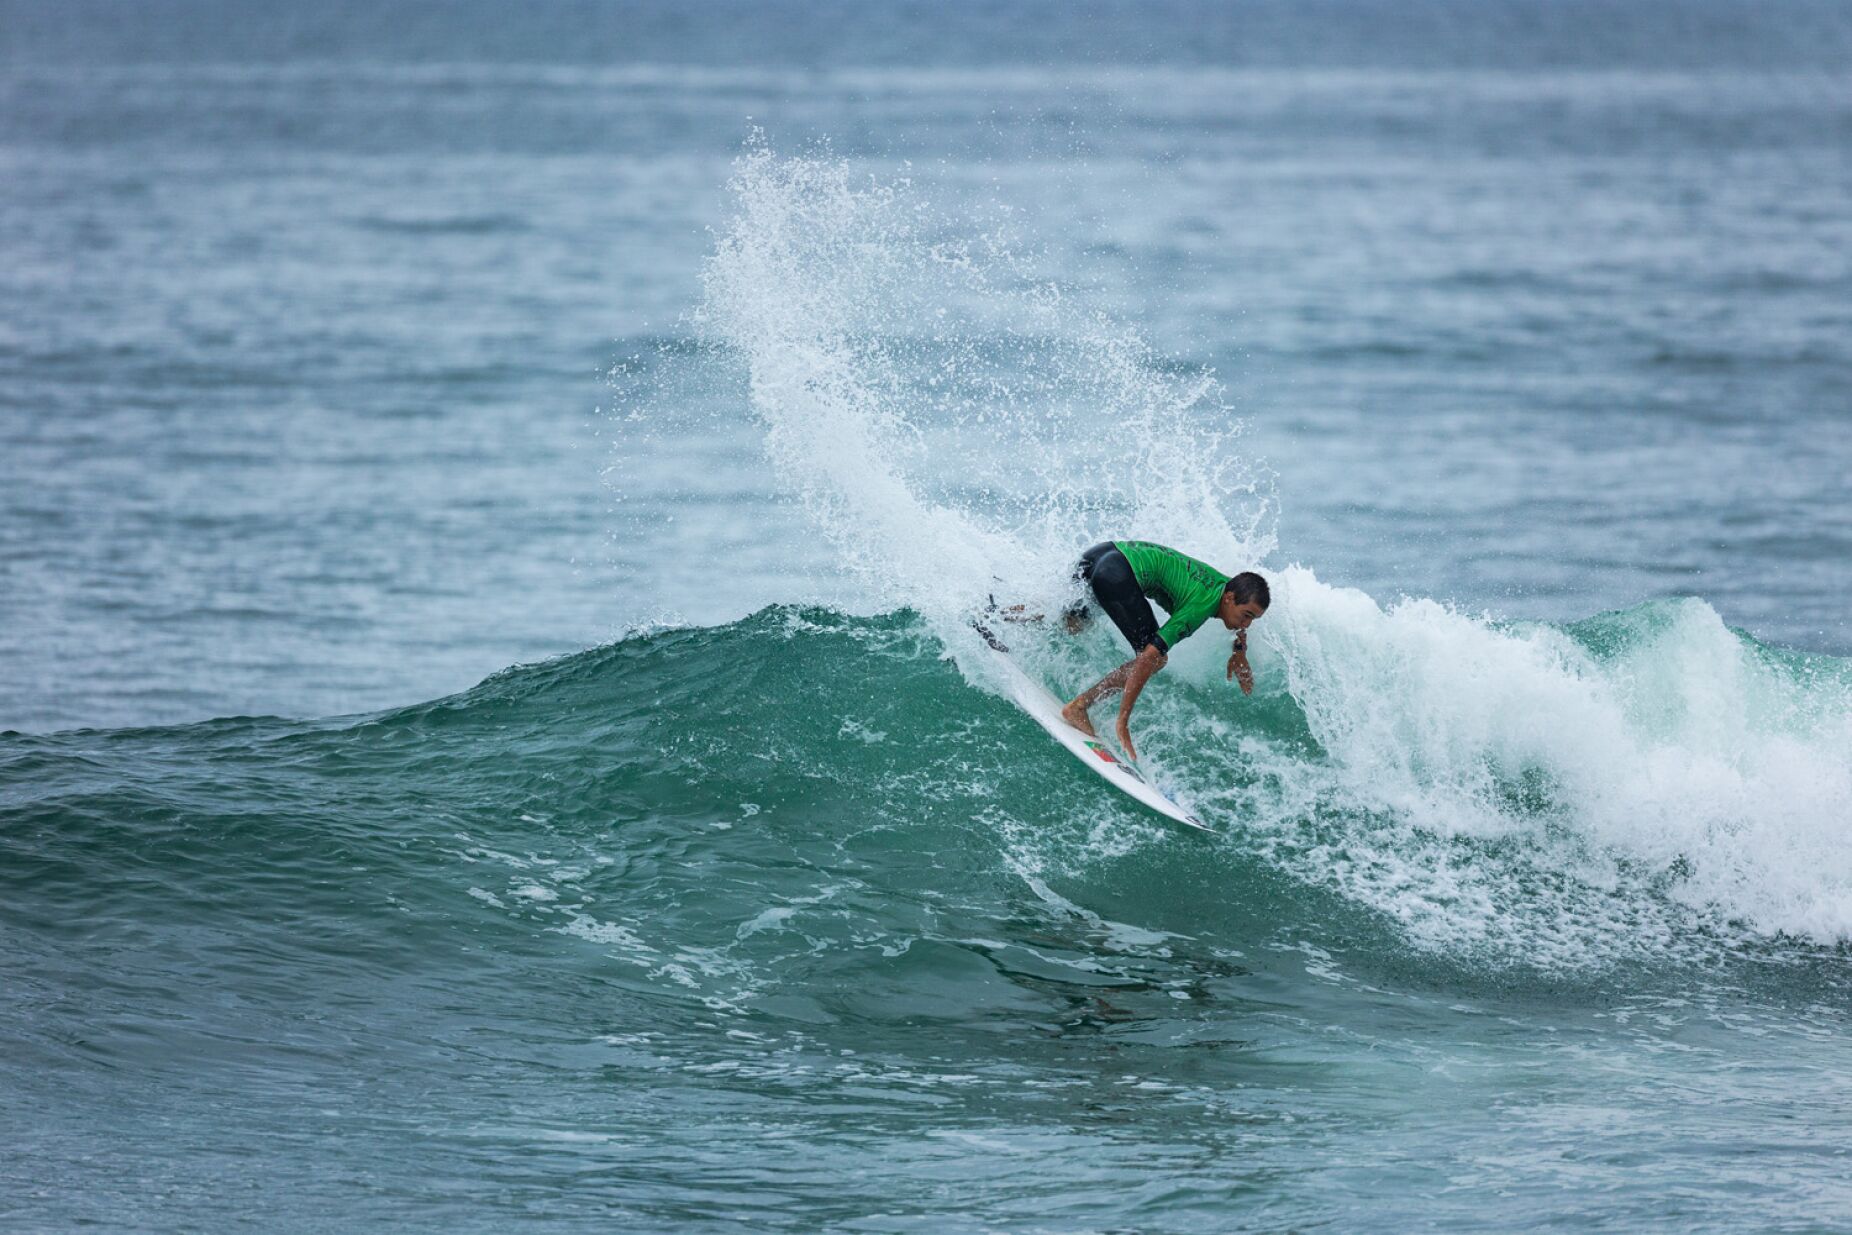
{"x": 490, "y": 502}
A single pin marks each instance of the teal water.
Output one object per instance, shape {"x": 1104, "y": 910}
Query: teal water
{"x": 489, "y": 504}
{"x": 629, "y": 937}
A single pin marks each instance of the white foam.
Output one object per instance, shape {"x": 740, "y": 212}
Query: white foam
{"x": 1682, "y": 762}
{"x": 956, "y": 426}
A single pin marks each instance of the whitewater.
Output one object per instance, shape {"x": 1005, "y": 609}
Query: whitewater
{"x": 1552, "y": 795}
{"x": 430, "y": 803}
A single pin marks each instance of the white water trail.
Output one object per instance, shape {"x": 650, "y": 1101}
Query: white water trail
{"x": 958, "y": 426}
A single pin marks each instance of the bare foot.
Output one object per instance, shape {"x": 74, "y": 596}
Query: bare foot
{"x": 1076, "y": 716}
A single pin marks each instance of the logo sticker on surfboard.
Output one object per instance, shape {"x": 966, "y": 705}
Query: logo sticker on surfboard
{"x": 1107, "y": 756}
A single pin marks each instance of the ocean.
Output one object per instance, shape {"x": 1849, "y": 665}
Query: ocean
{"x": 491, "y": 500}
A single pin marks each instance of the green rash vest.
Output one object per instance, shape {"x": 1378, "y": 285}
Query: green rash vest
{"x": 1188, "y": 590}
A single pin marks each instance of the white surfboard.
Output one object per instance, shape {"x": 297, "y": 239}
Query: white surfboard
{"x": 1035, "y": 699}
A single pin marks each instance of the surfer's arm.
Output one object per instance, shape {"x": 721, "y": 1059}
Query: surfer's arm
{"x": 1138, "y": 672}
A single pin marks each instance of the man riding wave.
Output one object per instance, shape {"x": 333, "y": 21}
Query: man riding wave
{"x": 1121, "y": 575}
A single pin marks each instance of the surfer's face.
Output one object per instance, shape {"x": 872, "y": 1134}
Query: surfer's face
{"x": 1239, "y": 616}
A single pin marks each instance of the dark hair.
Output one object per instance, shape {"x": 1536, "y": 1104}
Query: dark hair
{"x": 1248, "y": 586}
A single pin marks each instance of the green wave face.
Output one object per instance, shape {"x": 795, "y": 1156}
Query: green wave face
{"x": 666, "y": 791}
{"x": 795, "y": 894}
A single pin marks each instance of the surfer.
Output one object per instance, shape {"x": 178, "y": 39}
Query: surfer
{"x": 1121, "y": 575}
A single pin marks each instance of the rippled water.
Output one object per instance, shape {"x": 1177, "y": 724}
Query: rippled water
{"x": 656, "y": 392}
{"x": 628, "y": 937}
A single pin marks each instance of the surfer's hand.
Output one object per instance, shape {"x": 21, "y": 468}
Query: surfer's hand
{"x": 1125, "y": 740}
{"x": 1238, "y": 667}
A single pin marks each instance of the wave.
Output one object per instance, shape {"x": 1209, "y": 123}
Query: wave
{"x": 1641, "y": 788}
{"x": 1643, "y": 783}
{"x": 813, "y": 815}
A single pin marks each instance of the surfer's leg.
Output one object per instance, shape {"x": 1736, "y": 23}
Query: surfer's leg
{"x": 1116, "y": 589}
{"x": 1075, "y": 713}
